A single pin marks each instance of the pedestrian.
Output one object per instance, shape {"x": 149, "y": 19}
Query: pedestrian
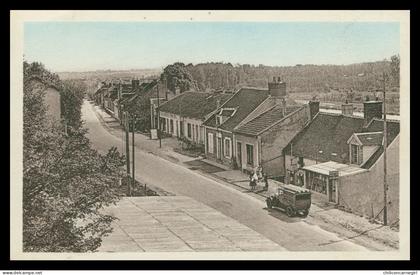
{"x": 250, "y": 180}
{"x": 254, "y": 181}
{"x": 266, "y": 182}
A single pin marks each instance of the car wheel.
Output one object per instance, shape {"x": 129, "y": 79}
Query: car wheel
{"x": 305, "y": 213}
{"x": 289, "y": 211}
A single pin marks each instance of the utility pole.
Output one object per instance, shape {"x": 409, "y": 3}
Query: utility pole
{"x": 133, "y": 122}
{"x": 158, "y": 115}
{"x": 127, "y": 148}
{"x": 385, "y": 147}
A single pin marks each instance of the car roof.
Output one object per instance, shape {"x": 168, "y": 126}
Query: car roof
{"x": 294, "y": 188}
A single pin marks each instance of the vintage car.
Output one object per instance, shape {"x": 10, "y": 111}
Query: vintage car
{"x": 292, "y": 199}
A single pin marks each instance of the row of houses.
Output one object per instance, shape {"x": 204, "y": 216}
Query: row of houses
{"x": 339, "y": 156}
{"x": 137, "y": 97}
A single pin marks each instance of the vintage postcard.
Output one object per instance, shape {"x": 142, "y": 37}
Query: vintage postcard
{"x": 264, "y": 135}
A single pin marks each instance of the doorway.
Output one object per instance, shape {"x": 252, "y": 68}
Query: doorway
{"x": 239, "y": 156}
{"x": 219, "y": 148}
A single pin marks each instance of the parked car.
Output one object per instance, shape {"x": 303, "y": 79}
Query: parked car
{"x": 292, "y": 199}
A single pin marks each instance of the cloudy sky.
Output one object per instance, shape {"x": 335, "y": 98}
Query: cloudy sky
{"x": 83, "y": 46}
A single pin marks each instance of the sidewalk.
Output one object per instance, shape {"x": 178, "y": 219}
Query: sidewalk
{"x": 142, "y": 141}
{"x": 178, "y": 223}
{"x": 322, "y": 213}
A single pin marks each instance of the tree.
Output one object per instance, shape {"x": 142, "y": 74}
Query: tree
{"x": 66, "y": 183}
{"x": 395, "y": 69}
{"x": 72, "y": 99}
{"x": 177, "y": 76}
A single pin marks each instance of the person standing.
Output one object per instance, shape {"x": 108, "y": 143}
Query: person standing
{"x": 266, "y": 182}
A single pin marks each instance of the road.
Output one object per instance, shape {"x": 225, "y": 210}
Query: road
{"x": 291, "y": 233}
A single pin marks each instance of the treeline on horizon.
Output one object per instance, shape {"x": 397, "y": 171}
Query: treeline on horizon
{"x": 308, "y": 78}
{"x": 361, "y": 77}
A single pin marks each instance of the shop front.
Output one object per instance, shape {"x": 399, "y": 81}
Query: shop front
{"x": 323, "y": 178}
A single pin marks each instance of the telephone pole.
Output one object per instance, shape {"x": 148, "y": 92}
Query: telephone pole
{"x": 127, "y": 148}
{"x": 133, "y": 122}
{"x": 158, "y": 115}
{"x": 385, "y": 147}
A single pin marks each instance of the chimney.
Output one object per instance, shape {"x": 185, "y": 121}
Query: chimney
{"x": 372, "y": 109}
{"x": 135, "y": 83}
{"x": 313, "y": 108}
{"x": 217, "y": 104}
{"x": 277, "y": 88}
{"x": 347, "y": 109}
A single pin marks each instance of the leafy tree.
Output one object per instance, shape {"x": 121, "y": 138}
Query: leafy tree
{"x": 66, "y": 183}
{"x": 177, "y": 76}
{"x": 395, "y": 69}
{"x": 72, "y": 99}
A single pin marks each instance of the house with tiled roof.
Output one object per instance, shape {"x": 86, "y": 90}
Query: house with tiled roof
{"x": 142, "y": 103}
{"x": 244, "y": 106}
{"x": 183, "y": 115}
{"x": 340, "y": 156}
{"x": 260, "y": 142}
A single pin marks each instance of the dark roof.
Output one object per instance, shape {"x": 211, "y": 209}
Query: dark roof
{"x": 377, "y": 125}
{"x": 393, "y": 129}
{"x": 370, "y": 139}
{"x": 193, "y": 104}
{"x": 328, "y": 133}
{"x": 245, "y": 100}
{"x": 226, "y": 112}
{"x": 111, "y": 92}
{"x": 265, "y": 120}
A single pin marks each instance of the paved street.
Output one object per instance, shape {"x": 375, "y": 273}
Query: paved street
{"x": 290, "y": 233}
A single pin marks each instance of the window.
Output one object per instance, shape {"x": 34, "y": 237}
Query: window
{"x": 227, "y": 147}
{"x": 189, "y": 130}
{"x": 181, "y": 128}
{"x": 210, "y": 143}
{"x": 196, "y": 133}
{"x": 250, "y": 154}
{"x": 218, "y": 120}
{"x": 354, "y": 149}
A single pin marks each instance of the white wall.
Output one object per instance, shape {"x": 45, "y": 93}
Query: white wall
{"x": 195, "y": 123}
{"x": 368, "y": 152}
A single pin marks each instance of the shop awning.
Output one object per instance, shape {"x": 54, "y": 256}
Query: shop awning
{"x": 327, "y": 168}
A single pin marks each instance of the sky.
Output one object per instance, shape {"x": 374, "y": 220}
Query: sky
{"x": 86, "y": 46}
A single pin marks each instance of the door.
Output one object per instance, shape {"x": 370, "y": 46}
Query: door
{"x": 332, "y": 190}
{"x": 239, "y": 156}
{"x": 219, "y": 148}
